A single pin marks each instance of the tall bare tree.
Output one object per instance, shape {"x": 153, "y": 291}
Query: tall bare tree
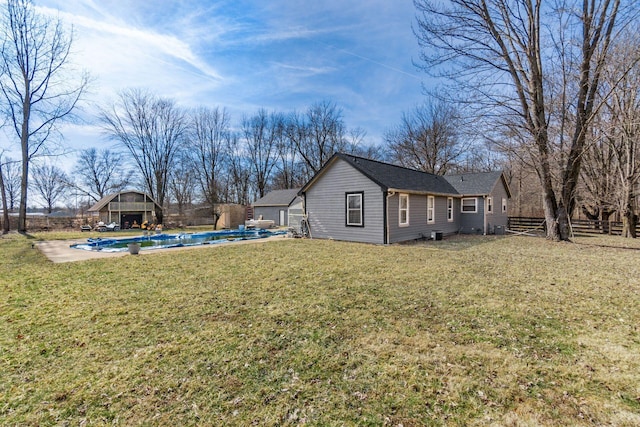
{"x": 507, "y": 53}
{"x": 36, "y": 82}
{"x": 623, "y": 134}
{"x": 263, "y": 133}
{"x": 237, "y": 188}
{"x": 428, "y": 138}
{"x": 152, "y": 129}
{"x": 12, "y": 179}
{"x": 3, "y": 195}
{"x": 599, "y": 181}
{"x": 317, "y": 134}
{"x": 50, "y": 183}
{"x": 182, "y": 183}
{"x": 100, "y": 173}
{"x": 207, "y": 144}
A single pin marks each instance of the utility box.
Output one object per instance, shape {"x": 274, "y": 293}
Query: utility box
{"x": 436, "y": 235}
{"x": 499, "y": 230}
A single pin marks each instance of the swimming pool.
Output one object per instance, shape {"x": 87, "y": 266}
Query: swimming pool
{"x": 162, "y": 241}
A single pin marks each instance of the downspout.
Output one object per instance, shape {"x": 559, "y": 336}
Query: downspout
{"x": 387, "y": 231}
{"x": 305, "y": 215}
{"x": 484, "y": 214}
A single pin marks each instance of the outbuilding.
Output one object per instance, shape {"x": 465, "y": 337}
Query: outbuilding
{"x": 274, "y": 206}
{"x": 127, "y": 208}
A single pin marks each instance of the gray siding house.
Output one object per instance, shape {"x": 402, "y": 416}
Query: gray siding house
{"x": 275, "y": 205}
{"x": 361, "y": 200}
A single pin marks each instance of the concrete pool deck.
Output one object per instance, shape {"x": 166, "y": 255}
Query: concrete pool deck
{"x": 59, "y": 251}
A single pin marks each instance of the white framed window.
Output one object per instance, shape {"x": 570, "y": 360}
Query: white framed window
{"x": 489, "y": 204}
{"x": 449, "y": 209}
{"x": 355, "y": 209}
{"x": 504, "y": 205}
{"x": 403, "y": 210}
{"x": 469, "y": 205}
{"x": 431, "y": 209}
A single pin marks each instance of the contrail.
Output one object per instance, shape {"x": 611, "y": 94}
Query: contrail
{"x": 371, "y": 60}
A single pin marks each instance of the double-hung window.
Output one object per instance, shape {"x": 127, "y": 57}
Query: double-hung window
{"x": 449, "y": 209}
{"x": 431, "y": 208}
{"x": 489, "y": 204}
{"x": 469, "y": 205}
{"x": 355, "y": 210}
{"x": 403, "y": 210}
{"x": 504, "y": 205}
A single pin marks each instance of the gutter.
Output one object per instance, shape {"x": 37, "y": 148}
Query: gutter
{"x": 430, "y": 193}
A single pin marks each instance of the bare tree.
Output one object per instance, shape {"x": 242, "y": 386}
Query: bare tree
{"x": 317, "y": 135}
{"x": 35, "y": 82}
{"x": 506, "y": 53}
{"x": 50, "y": 183}
{"x": 152, "y": 129}
{"x": 288, "y": 168}
{"x": 100, "y": 173}
{"x": 207, "y": 143}
{"x": 238, "y": 173}
{"x": 182, "y": 183}
{"x": 263, "y": 134}
{"x": 3, "y": 193}
{"x": 427, "y": 139}
{"x": 12, "y": 179}
{"x": 623, "y": 110}
{"x": 597, "y": 193}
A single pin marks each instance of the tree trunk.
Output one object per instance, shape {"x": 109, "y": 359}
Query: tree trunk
{"x": 159, "y": 215}
{"x": 24, "y": 185}
{"x": 550, "y": 215}
{"x": 215, "y": 214}
{"x": 629, "y": 217}
{"x": 629, "y": 224}
{"x": 5, "y": 212}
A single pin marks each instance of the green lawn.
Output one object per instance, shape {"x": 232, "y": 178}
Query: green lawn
{"x": 504, "y": 331}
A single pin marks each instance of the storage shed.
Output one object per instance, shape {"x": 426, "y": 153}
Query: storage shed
{"x": 275, "y": 206}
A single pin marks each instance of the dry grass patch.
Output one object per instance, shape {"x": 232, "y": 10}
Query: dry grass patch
{"x": 504, "y": 331}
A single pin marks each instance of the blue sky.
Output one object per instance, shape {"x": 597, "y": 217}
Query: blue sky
{"x": 244, "y": 55}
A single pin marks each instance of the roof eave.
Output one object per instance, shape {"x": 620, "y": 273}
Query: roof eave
{"x": 421, "y": 192}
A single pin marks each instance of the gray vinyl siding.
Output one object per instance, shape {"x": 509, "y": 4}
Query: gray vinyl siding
{"x": 498, "y": 217}
{"x": 472, "y": 223}
{"x": 270, "y": 212}
{"x": 418, "y": 227}
{"x": 325, "y": 205}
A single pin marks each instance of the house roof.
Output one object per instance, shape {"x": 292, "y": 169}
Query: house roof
{"x": 476, "y": 184}
{"x": 106, "y": 199}
{"x": 392, "y": 177}
{"x": 278, "y": 198}
{"x": 397, "y": 178}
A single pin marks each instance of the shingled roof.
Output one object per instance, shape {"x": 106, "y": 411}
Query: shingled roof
{"x": 392, "y": 177}
{"x": 476, "y": 184}
{"x": 277, "y": 198}
{"x": 398, "y": 178}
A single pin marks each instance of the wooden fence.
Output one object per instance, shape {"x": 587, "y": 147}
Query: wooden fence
{"x": 533, "y": 224}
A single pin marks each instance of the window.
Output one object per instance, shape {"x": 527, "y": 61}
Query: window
{"x": 489, "y": 204}
{"x": 431, "y": 204}
{"x": 403, "y": 210}
{"x": 469, "y": 205}
{"x": 504, "y": 205}
{"x": 449, "y": 209}
{"x": 355, "y": 209}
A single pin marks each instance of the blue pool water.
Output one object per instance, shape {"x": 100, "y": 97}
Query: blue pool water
{"x": 160, "y": 241}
